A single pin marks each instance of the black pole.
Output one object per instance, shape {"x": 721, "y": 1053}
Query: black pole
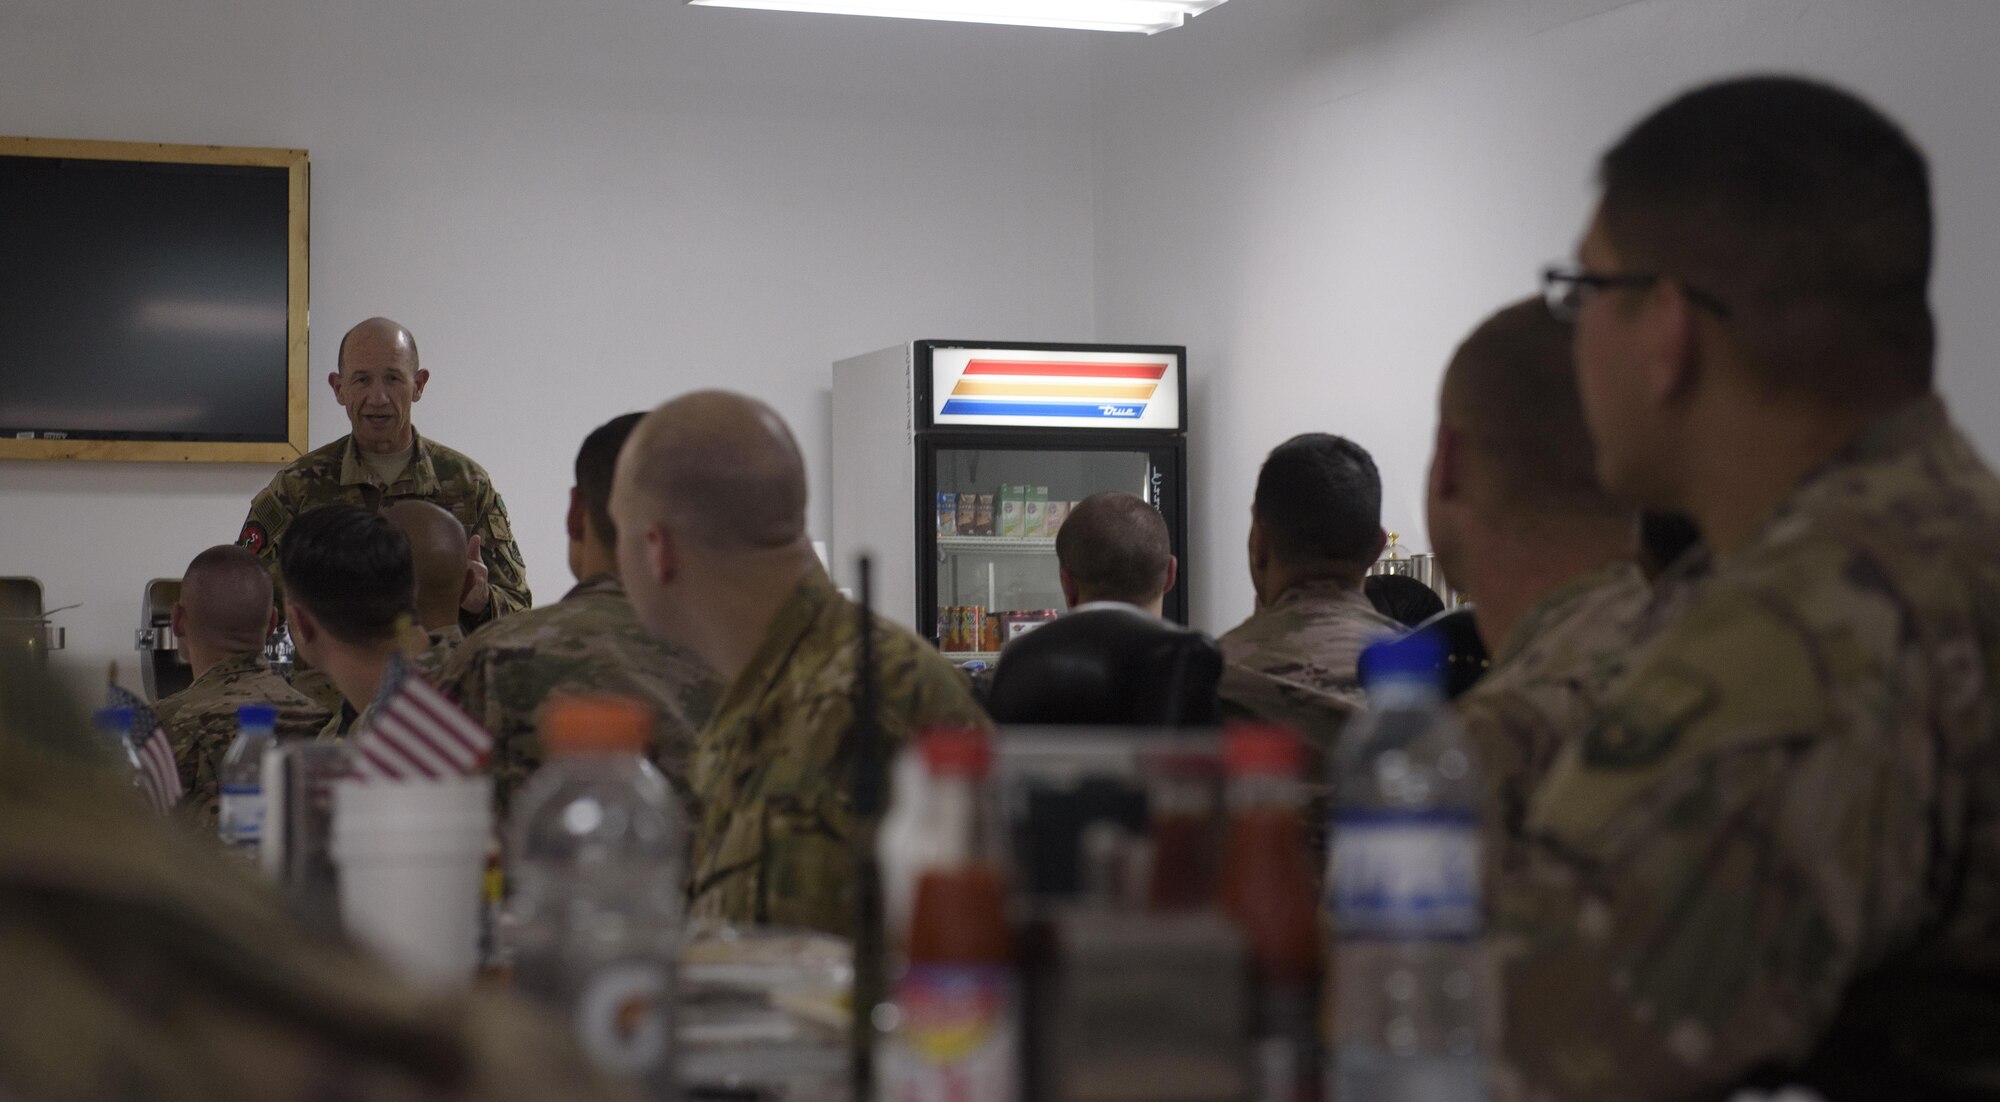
{"x": 870, "y": 785}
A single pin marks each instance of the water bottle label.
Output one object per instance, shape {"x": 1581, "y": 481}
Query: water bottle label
{"x": 241, "y": 814}
{"x": 956, "y": 1040}
{"x": 622, "y": 1019}
{"x": 1405, "y": 875}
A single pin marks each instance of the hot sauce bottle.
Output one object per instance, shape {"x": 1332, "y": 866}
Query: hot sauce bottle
{"x": 1269, "y": 890}
{"x": 956, "y": 1036}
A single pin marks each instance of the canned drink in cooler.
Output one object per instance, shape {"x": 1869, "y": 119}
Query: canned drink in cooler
{"x": 989, "y": 632}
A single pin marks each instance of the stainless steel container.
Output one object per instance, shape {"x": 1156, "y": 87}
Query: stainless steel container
{"x": 163, "y": 670}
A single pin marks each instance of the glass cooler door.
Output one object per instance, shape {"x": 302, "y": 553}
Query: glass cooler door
{"x": 992, "y": 572}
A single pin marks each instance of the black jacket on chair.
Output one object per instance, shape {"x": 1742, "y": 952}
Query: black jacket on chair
{"x": 1108, "y": 666}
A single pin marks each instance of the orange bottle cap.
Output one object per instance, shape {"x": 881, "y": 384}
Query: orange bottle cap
{"x": 955, "y": 751}
{"x": 1263, "y": 750}
{"x": 595, "y": 725}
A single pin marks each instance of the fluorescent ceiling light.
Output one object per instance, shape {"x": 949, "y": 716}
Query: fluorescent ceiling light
{"x": 1141, "y": 16}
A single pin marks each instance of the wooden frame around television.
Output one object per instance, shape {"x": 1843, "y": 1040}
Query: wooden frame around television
{"x": 297, "y": 168}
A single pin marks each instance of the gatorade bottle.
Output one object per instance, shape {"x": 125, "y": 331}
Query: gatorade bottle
{"x": 955, "y": 1037}
{"x": 1268, "y": 890}
{"x": 1409, "y": 973}
{"x": 595, "y": 860}
{"x": 240, "y": 821}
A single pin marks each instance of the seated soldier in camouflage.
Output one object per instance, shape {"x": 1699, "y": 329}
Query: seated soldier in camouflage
{"x": 589, "y": 642}
{"x": 220, "y": 622}
{"x": 143, "y": 964}
{"x": 1521, "y": 525}
{"x": 710, "y": 504}
{"x": 1315, "y": 527}
{"x": 441, "y": 555}
{"x": 350, "y": 595}
{"x": 1773, "y": 853}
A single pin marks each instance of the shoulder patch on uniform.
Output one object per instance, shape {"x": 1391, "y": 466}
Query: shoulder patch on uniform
{"x": 253, "y": 538}
{"x": 1644, "y": 727}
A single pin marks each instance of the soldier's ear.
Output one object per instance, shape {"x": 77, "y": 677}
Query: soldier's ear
{"x": 663, "y": 559}
{"x": 179, "y": 620}
{"x": 574, "y": 521}
{"x": 333, "y": 380}
{"x": 419, "y": 379}
{"x": 305, "y": 629}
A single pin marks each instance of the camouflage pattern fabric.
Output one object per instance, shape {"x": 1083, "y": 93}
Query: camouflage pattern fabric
{"x": 1293, "y": 661}
{"x": 200, "y": 722}
{"x": 335, "y": 475}
{"x": 1548, "y": 678}
{"x": 1775, "y": 852}
{"x": 589, "y": 643}
{"x": 316, "y": 686}
{"x": 142, "y": 963}
{"x": 771, "y": 769}
{"x": 438, "y": 649}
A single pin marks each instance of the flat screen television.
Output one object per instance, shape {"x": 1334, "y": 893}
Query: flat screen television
{"x": 152, "y": 302}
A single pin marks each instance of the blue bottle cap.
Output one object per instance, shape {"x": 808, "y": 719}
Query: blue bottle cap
{"x": 256, "y": 715}
{"x": 1418, "y": 656}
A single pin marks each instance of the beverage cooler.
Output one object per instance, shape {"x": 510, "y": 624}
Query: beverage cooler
{"x": 955, "y": 463}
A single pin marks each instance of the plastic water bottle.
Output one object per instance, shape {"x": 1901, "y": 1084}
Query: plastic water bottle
{"x": 1409, "y": 973}
{"x": 595, "y": 861}
{"x": 114, "y": 725}
{"x": 240, "y": 813}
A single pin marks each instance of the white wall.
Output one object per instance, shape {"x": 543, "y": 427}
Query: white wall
{"x": 580, "y": 208}
{"x": 1321, "y": 197}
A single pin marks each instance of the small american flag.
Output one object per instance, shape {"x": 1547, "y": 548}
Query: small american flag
{"x": 415, "y": 733}
{"x": 159, "y": 777}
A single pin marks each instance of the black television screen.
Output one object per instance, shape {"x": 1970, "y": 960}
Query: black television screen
{"x": 147, "y": 300}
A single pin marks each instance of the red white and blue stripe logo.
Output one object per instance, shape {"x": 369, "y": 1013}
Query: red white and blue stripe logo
{"x": 1076, "y": 390}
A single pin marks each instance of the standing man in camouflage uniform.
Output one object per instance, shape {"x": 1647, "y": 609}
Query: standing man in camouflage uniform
{"x": 384, "y": 460}
{"x": 1774, "y": 853}
{"x": 442, "y": 557}
{"x": 710, "y": 504}
{"x": 1522, "y": 526}
{"x": 221, "y": 619}
{"x": 589, "y": 642}
{"x": 1315, "y": 526}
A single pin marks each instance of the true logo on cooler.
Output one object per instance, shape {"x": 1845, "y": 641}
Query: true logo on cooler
{"x": 1097, "y": 390}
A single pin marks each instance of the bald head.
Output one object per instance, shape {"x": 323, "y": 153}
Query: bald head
{"x": 721, "y": 469}
{"x": 378, "y": 338}
{"x": 226, "y": 595}
{"x": 1510, "y": 394}
{"x": 439, "y": 551}
{"x": 1116, "y": 547}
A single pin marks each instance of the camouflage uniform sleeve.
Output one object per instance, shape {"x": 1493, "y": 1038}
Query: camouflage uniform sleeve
{"x": 1700, "y": 869}
{"x": 270, "y": 514}
{"x": 506, "y": 573}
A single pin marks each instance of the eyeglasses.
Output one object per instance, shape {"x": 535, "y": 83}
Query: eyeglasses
{"x": 1565, "y": 290}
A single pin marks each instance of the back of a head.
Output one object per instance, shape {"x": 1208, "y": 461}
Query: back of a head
{"x": 1510, "y": 395}
{"x": 723, "y": 469}
{"x": 226, "y": 591}
{"x": 1804, "y": 213}
{"x": 438, "y": 553}
{"x": 1319, "y": 502}
{"x": 596, "y": 464}
{"x": 351, "y": 569}
{"x": 1402, "y": 598}
{"x": 1117, "y": 548}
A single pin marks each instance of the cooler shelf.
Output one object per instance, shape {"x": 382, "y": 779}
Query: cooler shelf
{"x": 998, "y": 545}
